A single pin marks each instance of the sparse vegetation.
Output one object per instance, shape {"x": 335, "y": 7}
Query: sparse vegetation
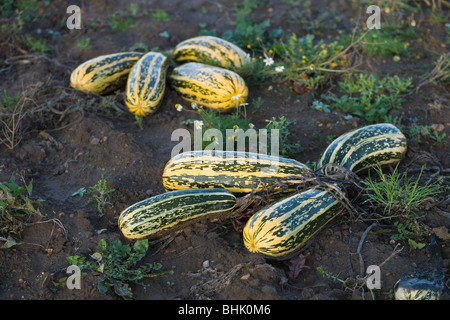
{"x": 368, "y": 97}
{"x": 100, "y": 195}
{"x": 16, "y": 206}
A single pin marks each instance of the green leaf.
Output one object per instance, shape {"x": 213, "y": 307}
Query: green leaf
{"x": 80, "y": 192}
{"x": 123, "y": 290}
{"x": 8, "y": 242}
{"x": 415, "y": 245}
{"x": 103, "y": 285}
{"x": 141, "y": 247}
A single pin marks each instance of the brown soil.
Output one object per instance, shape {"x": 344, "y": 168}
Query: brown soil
{"x": 208, "y": 258}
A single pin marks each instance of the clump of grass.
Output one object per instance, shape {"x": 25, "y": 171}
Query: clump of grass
{"x": 116, "y": 265}
{"x": 400, "y": 198}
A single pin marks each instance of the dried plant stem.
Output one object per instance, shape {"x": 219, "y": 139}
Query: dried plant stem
{"x": 440, "y": 71}
{"x": 12, "y": 128}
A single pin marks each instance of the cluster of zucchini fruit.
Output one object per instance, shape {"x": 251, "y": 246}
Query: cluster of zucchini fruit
{"x": 203, "y": 184}
{"x": 208, "y": 74}
{"x": 207, "y": 184}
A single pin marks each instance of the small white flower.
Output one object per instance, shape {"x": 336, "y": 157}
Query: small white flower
{"x": 236, "y": 97}
{"x": 198, "y": 124}
{"x": 235, "y": 127}
{"x": 268, "y": 61}
{"x": 311, "y": 67}
{"x": 396, "y": 58}
{"x": 216, "y": 142}
{"x": 194, "y": 105}
{"x": 279, "y": 69}
{"x": 413, "y": 23}
{"x": 251, "y": 125}
{"x": 387, "y": 10}
{"x": 179, "y": 107}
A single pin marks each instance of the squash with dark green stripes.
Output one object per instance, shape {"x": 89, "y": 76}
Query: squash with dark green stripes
{"x": 146, "y": 84}
{"x": 426, "y": 282}
{"x": 167, "y": 211}
{"x": 237, "y": 172}
{"x": 213, "y": 51}
{"x": 368, "y": 146}
{"x": 213, "y": 87}
{"x": 105, "y": 73}
{"x": 281, "y": 229}
{"x": 417, "y": 288}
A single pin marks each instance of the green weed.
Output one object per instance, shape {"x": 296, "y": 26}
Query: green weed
{"x": 139, "y": 121}
{"x": 418, "y": 133}
{"x": 400, "y": 198}
{"x": 329, "y": 275}
{"x": 314, "y": 21}
{"x": 160, "y": 15}
{"x": 211, "y": 119}
{"x": 36, "y": 45}
{"x": 16, "y": 206}
{"x": 281, "y": 124}
{"x": 121, "y": 22}
{"x": 83, "y": 44}
{"x": 369, "y": 97}
{"x": 307, "y": 61}
{"x": 116, "y": 265}
{"x": 8, "y": 102}
{"x": 248, "y": 33}
{"x": 100, "y": 195}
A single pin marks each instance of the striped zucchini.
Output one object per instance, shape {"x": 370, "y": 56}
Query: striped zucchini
{"x": 417, "y": 289}
{"x": 360, "y": 149}
{"x": 104, "y": 74}
{"x": 146, "y": 84}
{"x": 212, "y": 87}
{"x": 237, "y": 172}
{"x": 281, "y": 229}
{"x": 213, "y": 51}
{"x": 173, "y": 209}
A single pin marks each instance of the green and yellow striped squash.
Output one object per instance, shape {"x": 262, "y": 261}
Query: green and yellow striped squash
{"x": 105, "y": 73}
{"x": 237, "y": 172}
{"x": 281, "y": 229}
{"x": 146, "y": 84}
{"x": 167, "y": 211}
{"x": 417, "y": 289}
{"x": 213, "y": 51}
{"x": 213, "y": 87}
{"x": 362, "y": 148}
